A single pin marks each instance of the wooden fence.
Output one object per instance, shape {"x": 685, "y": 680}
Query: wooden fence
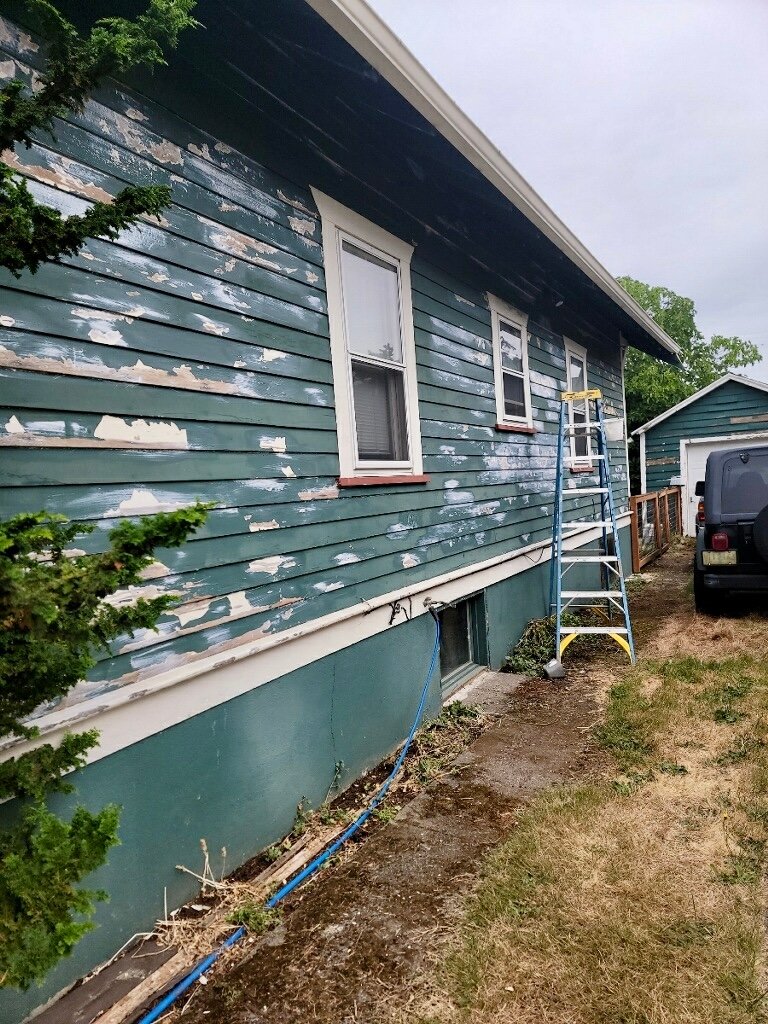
{"x": 656, "y": 519}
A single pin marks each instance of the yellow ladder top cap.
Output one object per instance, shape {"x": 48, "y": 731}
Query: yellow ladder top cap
{"x": 571, "y": 396}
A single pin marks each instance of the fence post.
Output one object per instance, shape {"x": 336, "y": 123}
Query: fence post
{"x": 633, "y": 526}
{"x": 657, "y": 523}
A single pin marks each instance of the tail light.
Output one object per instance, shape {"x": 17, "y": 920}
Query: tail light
{"x": 719, "y": 541}
{"x": 700, "y": 513}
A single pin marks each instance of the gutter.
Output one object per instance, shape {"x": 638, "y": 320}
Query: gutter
{"x": 364, "y": 30}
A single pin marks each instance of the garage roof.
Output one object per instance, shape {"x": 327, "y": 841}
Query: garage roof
{"x": 759, "y": 385}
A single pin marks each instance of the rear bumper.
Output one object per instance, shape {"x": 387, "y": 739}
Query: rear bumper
{"x": 735, "y": 581}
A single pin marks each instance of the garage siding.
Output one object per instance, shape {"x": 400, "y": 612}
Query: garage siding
{"x": 733, "y": 408}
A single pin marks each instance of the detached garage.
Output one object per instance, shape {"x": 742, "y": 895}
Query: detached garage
{"x": 674, "y": 446}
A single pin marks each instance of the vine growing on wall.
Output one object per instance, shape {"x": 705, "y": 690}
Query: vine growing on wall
{"x": 55, "y": 609}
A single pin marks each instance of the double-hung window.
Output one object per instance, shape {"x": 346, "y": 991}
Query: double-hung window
{"x": 372, "y": 346}
{"x": 510, "y": 362}
{"x": 576, "y": 380}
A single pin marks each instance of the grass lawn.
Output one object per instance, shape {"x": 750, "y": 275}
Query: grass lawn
{"x": 636, "y": 896}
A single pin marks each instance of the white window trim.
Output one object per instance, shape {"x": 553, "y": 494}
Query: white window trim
{"x": 338, "y": 222}
{"x": 581, "y": 353}
{"x": 501, "y": 310}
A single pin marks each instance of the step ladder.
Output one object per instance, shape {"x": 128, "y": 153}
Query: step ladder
{"x": 610, "y": 600}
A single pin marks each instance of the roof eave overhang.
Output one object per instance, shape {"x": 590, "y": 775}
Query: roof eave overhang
{"x": 364, "y": 30}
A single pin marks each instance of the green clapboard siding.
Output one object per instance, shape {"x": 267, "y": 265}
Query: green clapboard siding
{"x": 210, "y": 326}
{"x": 720, "y": 413}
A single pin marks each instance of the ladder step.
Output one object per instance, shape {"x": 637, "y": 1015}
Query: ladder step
{"x": 585, "y": 524}
{"x": 584, "y": 490}
{"x": 590, "y": 558}
{"x": 591, "y": 593}
{"x": 583, "y": 459}
{"x": 593, "y": 629}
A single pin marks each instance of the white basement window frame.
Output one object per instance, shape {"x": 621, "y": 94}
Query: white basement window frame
{"x": 506, "y": 322}
{"x": 350, "y": 242}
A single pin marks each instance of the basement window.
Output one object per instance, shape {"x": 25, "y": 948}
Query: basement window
{"x": 462, "y": 641}
{"x": 372, "y": 348}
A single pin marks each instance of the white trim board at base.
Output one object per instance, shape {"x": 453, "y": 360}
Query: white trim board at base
{"x": 134, "y": 712}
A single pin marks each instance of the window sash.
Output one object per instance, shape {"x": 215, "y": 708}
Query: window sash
{"x": 392, "y": 416}
{"x": 504, "y": 319}
{"x": 581, "y": 442}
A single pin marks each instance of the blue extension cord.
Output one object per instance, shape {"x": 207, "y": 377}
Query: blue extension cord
{"x": 188, "y": 980}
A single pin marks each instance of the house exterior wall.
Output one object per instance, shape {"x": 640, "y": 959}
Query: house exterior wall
{"x": 733, "y": 408}
{"x": 191, "y": 360}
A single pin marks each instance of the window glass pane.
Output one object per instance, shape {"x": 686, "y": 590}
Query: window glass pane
{"x": 455, "y": 648}
{"x": 371, "y": 304}
{"x": 745, "y": 485}
{"x": 514, "y": 395}
{"x": 577, "y": 382}
{"x": 575, "y": 373}
{"x": 511, "y": 347}
{"x": 379, "y": 396}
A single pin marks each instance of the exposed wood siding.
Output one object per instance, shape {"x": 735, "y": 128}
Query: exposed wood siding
{"x": 731, "y": 409}
{"x": 191, "y": 360}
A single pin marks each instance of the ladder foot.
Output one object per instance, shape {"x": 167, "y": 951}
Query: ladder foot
{"x": 554, "y": 669}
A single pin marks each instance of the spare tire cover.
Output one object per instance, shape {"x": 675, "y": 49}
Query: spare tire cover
{"x": 760, "y": 533}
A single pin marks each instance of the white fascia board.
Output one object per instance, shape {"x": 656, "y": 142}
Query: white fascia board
{"x": 364, "y": 30}
{"x": 758, "y": 385}
{"x": 138, "y": 710}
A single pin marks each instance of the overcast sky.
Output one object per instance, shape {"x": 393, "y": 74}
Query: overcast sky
{"x": 642, "y": 123}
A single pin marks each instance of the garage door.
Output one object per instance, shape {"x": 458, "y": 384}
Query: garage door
{"x": 697, "y": 451}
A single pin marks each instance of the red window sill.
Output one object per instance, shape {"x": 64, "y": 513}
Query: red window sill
{"x": 380, "y": 481}
{"x": 514, "y": 428}
{"x": 582, "y": 469}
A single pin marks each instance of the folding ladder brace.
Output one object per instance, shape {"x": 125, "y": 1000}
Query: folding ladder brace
{"x": 612, "y": 597}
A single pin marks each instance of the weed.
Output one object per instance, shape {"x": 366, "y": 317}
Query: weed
{"x": 627, "y": 730}
{"x": 386, "y": 813}
{"x": 744, "y": 746}
{"x": 671, "y": 768}
{"x": 273, "y": 853}
{"x": 304, "y": 814}
{"x": 537, "y": 644}
{"x": 256, "y": 917}
{"x": 628, "y": 784}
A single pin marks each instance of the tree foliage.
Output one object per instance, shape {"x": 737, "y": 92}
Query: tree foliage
{"x": 56, "y": 613}
{"x": 31, "y": 232}
{"x": 55, "y": 608}
{"x": 652, "y": 386}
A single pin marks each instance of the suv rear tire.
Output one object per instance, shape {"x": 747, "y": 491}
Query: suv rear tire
{"x": 707, "y": 602}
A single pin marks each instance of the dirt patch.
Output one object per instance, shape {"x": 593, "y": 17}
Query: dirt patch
{"x": 358, "y": 937}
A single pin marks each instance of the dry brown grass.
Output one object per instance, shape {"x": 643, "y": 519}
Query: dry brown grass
{"x": 637, "y": 899}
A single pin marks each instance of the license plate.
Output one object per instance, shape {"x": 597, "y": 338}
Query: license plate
{"x": 719, "y": 557}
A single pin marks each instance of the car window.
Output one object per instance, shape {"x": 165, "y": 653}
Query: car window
{"x": 745, "y": 484}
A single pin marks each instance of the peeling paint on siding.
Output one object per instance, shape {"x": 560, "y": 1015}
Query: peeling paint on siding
{"x": 273, "y": 444}
{"x": 107, "y": 336}
{"x": 269, "y": 524}
{"x": 325, "y": 588}
{"x": 58, "y": 178}
{"x": 319, "y": 493}
{"x": 272, "y": 564}
{"x": 346, "y": 558}
{"x": 409, "y": 560}
{"x": 302, "y": 226}
{"x": 13, "y": 426}
{"x": 144, "y": 502}
{"x": 113, "y": 428}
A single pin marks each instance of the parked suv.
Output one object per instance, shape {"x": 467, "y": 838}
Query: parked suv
{"x": 732, "y": 543}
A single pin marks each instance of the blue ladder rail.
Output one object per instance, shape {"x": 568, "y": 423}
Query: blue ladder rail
{"x": 611, "y": 596}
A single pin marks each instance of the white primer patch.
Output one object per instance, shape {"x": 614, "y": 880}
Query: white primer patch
{"x": 409, "y": 560}
{"x": 302, "y": 226}
{"x": 270, "y": 524}
{"x": 107, "y": 336}
{"x": 324, "y": 588}
{"x": 142, "y": 502}
{"x": 13, "y": 426}
{"x": 211, "y": 328}
{"x": 273, "y": 444}
{"x": 270, "y": 354}
{"x": 346, "y": 558}
{"x": 319, "y": 493}
{"x": 272, "y": 564}
{"x": 287, "y": 471}
{"x": 113, "y": 428}
{"x": 7, "y": 321}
